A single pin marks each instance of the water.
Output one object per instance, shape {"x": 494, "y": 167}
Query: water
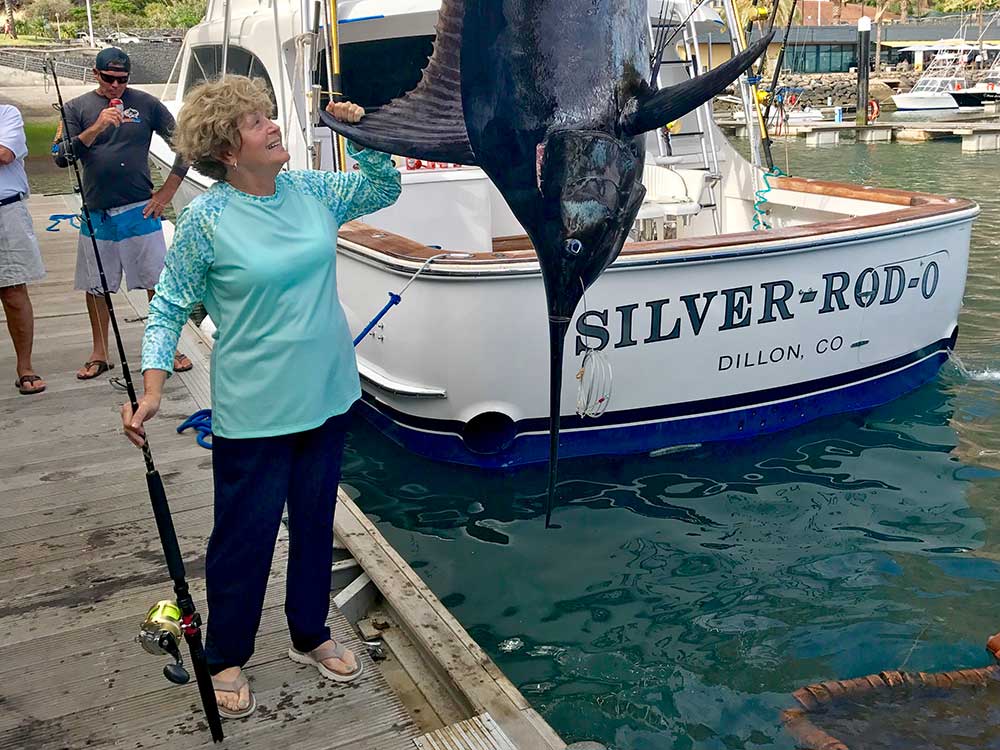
{"x": 686, "y": 596}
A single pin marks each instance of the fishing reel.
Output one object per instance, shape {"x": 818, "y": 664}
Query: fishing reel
{"x": 160, "y": 635}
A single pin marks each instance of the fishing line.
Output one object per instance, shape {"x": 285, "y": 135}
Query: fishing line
{"x": 166, "y": 621}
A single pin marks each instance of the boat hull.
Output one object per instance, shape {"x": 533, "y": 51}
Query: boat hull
{"x": 975, "y": 98}
{"x": 670, "y": 427}
{"x": 915, "y": 102}
{"x": 700, "y": 349}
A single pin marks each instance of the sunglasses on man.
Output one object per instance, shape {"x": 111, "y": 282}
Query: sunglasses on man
{"x": 113, "y": 79}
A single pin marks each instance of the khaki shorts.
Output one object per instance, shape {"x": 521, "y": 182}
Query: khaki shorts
{"x": 20, "y": 258}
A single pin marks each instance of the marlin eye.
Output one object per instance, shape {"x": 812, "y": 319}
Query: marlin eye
{"x": 573, "y": 246}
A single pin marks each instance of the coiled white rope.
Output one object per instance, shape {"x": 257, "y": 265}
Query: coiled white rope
{"x": 595, "y": 380}
{"x": 593, "y": 394}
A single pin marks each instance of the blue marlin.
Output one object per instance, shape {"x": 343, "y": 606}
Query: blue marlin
{"x": 551, "y": 98}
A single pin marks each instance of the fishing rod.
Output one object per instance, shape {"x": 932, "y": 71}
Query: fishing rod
{"x": 774, "y": 84}
{"x": 167, "y": 620}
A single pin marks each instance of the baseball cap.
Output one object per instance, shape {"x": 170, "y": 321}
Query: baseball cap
{"x": 112, "y": 58}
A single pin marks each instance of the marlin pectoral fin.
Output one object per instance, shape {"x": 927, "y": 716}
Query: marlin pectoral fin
{"x": 666, "y": 105}
{"x": 428, "y": 122}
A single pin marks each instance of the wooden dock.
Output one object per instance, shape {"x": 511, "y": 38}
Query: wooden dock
{"x": 81, "y": 563}
{"x": 976, "y": 134}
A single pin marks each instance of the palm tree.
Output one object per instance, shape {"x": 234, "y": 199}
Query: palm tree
{"x": 904, "y": 11}
{"x": 10, "y": 18}
{"x": 838, "y": 8}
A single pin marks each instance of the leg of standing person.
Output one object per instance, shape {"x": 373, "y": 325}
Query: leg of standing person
{"x": 20, "y": 263}
{"x": 97, "y": 311}
{"x": 88, "y": 280}
{"x": 251, "y": 483}
{"x": 312, "y": 497}
{"x": 21, "y": 325}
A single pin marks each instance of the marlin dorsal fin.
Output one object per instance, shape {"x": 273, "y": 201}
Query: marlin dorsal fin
{"x": 428, "y": 122}
{"x": 666, "y": 105}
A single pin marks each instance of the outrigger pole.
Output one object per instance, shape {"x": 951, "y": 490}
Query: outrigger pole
{"x": 166, "y": 620}
{"x": 774, "y": 79}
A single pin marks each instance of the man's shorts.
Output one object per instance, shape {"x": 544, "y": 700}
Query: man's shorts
{"x": 127, "y": 242}
{"x": 20, "y": 259}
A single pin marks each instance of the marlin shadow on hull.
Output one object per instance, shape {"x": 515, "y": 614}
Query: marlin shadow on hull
{"x": 551, "y": 98}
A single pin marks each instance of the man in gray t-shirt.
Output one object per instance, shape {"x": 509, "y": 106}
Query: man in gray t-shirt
{"x": 110, "y": 130}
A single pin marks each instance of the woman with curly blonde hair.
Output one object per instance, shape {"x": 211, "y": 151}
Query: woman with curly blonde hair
{"x": 258, "y": 248}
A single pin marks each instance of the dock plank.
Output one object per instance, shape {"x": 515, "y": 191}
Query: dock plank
{"x": 80, "y": 563}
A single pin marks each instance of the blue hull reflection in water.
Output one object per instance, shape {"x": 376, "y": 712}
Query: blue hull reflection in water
{"x": 685, "y": 597}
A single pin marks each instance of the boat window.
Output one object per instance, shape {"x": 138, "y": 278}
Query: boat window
{"x": 374, "y": 73}
{"x": 206, "y": 64}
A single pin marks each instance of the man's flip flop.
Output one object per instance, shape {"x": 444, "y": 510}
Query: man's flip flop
{"x": 29, "y": 379}
{"x": 101, "y": 366}
{"x": 183, "y": 367}
{"x": 330, "y": 649}
{"x": 234, "y": 686}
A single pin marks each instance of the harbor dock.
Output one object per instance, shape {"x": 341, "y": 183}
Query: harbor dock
{"x": 82, "y": 564}
{"x": 976, "y": 135}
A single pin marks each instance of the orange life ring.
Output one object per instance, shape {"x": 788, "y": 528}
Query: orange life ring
{"x": 990, "y": 86}
{"x": 873, "y": 110}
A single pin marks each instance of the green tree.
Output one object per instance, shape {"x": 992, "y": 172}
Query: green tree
{"x": 50, "y": 9}
{"x": 174, "y": 14}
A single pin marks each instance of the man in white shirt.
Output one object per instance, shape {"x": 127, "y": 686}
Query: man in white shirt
{"x": 20, "y": 258}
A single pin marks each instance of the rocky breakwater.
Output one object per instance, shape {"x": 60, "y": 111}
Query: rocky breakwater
{"x": 840, "y": 89}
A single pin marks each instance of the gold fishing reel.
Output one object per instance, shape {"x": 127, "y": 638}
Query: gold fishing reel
{"x": 160, "y": 635}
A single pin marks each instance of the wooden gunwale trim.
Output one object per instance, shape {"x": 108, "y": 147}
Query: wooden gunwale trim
{"x": 912, "y": 206}
{"x": 812, "y": 698}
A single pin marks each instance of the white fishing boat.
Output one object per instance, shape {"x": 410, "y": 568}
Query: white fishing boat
{"x": 984, "y": 91}
{"x": 944, "y": 75}
{"x": 746, "y": 304}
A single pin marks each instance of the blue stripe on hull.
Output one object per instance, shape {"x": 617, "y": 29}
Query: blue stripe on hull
{"x": 624, "y": 439}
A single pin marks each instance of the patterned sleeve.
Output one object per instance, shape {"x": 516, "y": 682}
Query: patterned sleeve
{"x": 353, "y": 194}
{"x": 182, "y": 282}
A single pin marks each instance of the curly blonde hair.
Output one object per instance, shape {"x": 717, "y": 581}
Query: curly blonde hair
{"x": 209, "y": 121}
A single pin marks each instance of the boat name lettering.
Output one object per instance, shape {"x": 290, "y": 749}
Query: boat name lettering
{"x": 667, "y": 318}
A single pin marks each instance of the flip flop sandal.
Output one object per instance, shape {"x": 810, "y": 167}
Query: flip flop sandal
{"x": 330, "y": 649}
{"x": 101, "y": 366}
{"x": 234, "y": 686}
{"x": 183, "y": 368}
{"x": 29, "y": 379}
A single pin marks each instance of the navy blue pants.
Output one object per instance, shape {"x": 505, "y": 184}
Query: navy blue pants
{"x": 254, "y": 478}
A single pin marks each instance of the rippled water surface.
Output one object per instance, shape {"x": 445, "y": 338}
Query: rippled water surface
{"x": 685, "y": 597}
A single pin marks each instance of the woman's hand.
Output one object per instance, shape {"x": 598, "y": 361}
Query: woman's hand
{"x": 135, "y": 431}
{"x": 346, "y": 111}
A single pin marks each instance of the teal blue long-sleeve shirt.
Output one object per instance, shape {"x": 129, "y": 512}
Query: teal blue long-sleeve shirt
{"x": 265, "y": 268}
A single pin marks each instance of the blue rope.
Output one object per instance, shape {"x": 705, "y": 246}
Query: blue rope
{"x": 759, "y": 222}
{"x": 73, "y": 219}
{"x": 201, "y": 423}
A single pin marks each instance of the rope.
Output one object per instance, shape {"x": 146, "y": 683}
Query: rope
{"x": 759, "y": 222}
{"x": 593, "y": 394}
{"x": 201, "y": 423}
{"x": 301, "y": 43}
{"x": 56, "y": 219}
